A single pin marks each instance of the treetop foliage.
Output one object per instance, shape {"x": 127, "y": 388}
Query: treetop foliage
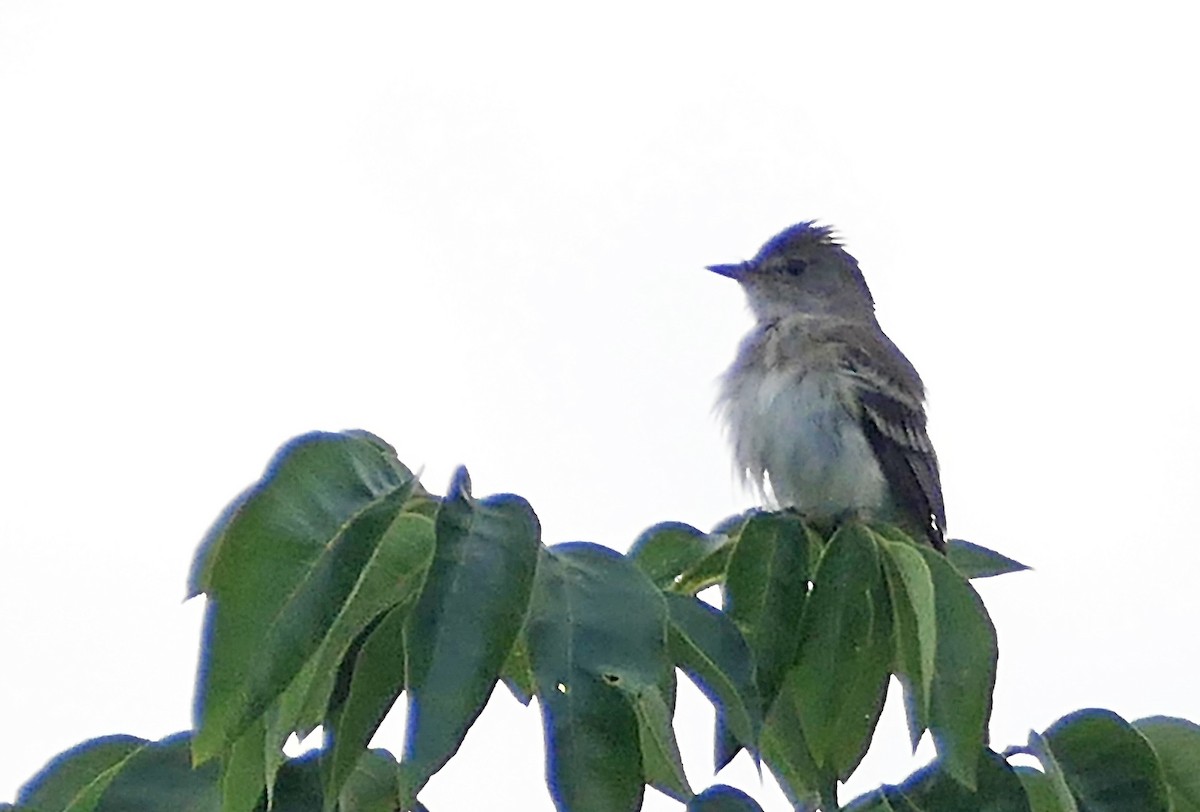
{"x": 337, "y": 585}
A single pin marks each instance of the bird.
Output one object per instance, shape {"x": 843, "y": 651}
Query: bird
{"x": 825, "y": 414}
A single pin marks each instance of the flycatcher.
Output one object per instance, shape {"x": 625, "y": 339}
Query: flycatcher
{"x": 825, "y": 413}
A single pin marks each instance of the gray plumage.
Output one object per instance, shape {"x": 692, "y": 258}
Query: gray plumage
{"x": 825, "y": 413}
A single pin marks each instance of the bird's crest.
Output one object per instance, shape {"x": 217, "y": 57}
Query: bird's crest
{"x": 801, "y": 235}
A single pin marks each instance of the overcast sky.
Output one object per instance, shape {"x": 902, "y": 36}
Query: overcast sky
{"x": 479, "y": 231}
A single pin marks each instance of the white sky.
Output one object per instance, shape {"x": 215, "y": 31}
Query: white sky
{"x": 478, "y": 230}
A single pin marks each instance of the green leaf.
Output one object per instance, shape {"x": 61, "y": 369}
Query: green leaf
{"x": 464, "y": 624}
{"x": 667, "y": 550}
{"x": 974, "y": 561}
{"x": 394, "y": 575}
{"x": 788, "y": 756}
{"x": 243, "y": 771}
{"x": 1105, "y": 762}
{"x": 910, "y": 588}
{"x": 1043, "y": 793}
{"x": 1177, "y": 745}
{"x": 517, "y": 672}
{"x": 709, "y": 570}
{"x": 374, "y": 785}
{"x": 766, "y": 584}
{"x": 298, "y": 788}
{"x": 722, "y": 798}
{"x": 278, "y": 569}
{"x": 160, "y": 776}
{"x": 662, "y": 766}
{"x": 74, "y": 780}
{"x": 933, "y": 789}
{"x": 765, "y": 588}
{"x": 732, "y": 526}
{"x": 288, "y": 471}
{"x": 997, "y": 789}
{"x": 960, "y": 700}
{"x": 597, "y": 634}
{"x": 841, "y": 673}
{"x": 708, "y": 647}
{"x": 894, "y": 534}
{"x": 1054, "y": 782}
{"x": 878, "y": 801}
{"x": 377, "y": 678}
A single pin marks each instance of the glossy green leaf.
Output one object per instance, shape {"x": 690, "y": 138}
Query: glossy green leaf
{"x": 394, "y": 575}
{"x": 974, "y": 561}
{"x": 160, "y": 776}
{"x": 243, "y": 770}
{"x": 1054, "y": 781}
{"x": 375, "y": 682}
{"x": 910, "y": 588}
{"x": 517, "y": 672}
{"x": 1042, "y": 792}
{"x": 788, "y": 756}
{"x": 933, "y": 789}
{"x": 281, "y": 718}
{"x": 960, "y": 700}
{"x": 593, "y": 754}
{"x": 279, "y": 567}
{"x": 722, "y": 798}
{"x": 298, "y": 788}
{"x": 1106, "y": 763}
{"x": 894, "y": 534}
{"x": 732, "y": 526}
{"x": 667, "y": 550}
{"x": 74, "y": 780}
{"x": 766, "y": 585}
{"x": 597, "y": 634}
{"x": 290, "y": 471}
{"x": 373, "y": 786}
{"x": 662, "y": 765}
{"x": 1176, "y": 742}
{"x": 842, "y": 669}
{"x": 709, "y": 570}
{"x": 878, "y": 801}
{"x": 997, "y": 789}
{"x": 706, "y": 645}
{"x": 668, "y": 686}
{"x": 463, "y": 626}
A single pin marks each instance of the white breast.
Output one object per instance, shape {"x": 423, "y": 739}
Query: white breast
{"x": 796, "y": 435}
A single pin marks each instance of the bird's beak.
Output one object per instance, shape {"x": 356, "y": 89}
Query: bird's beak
{"x": 732, "y": 271}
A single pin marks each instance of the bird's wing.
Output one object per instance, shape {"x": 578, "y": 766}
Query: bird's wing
{"x": 893, "y": 419}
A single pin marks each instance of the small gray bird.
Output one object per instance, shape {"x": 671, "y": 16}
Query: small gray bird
{"x": 825, "y": 413}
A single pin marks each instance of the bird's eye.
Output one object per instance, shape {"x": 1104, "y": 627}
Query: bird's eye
{"x": 796, "y": 267}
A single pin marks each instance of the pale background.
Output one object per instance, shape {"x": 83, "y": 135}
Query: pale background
{"x": 479, "y": 231}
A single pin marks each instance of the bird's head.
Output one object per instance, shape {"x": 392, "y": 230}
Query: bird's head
{"x": 803, "y": 269}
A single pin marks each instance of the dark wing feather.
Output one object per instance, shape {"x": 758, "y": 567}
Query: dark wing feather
{"x": 893, "y": 419}
{"x": 908, "y": 462}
